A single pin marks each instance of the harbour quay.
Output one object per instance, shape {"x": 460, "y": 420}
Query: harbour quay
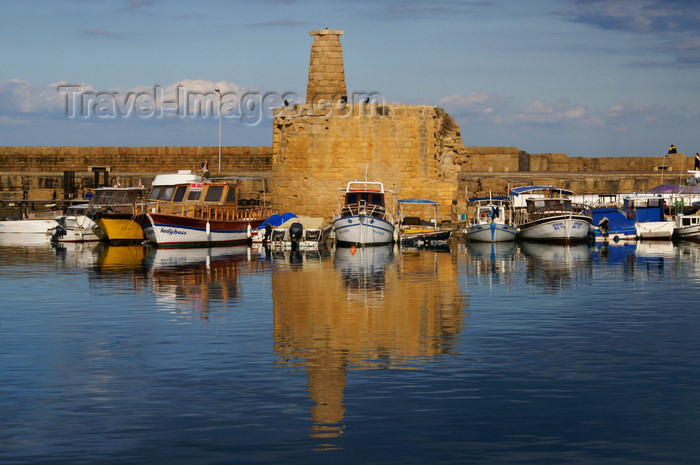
{"x": 34, "y": 177}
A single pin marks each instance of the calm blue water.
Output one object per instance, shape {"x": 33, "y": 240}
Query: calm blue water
{"x": 517, "y": 353}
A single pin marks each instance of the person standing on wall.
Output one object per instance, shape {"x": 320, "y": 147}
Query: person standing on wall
{"x": 697, "y": 161}
{"x": 672, "y": 149}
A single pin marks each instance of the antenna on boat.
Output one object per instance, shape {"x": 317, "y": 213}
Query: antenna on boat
{"x": 663, "y": 168}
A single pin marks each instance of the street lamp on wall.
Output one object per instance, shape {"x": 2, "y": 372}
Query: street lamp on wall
{"x": 219, "y": 92}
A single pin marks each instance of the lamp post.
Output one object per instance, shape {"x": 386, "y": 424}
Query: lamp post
{"x": 219, "y": 92}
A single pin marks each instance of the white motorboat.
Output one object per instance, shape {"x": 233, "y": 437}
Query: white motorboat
{"x": 687, "y": 227}
{"x": 26, "y": 226}
{"x": 76, "y": 226}
{"x": 32, "y": 223}
{"x": 492, "y": 220}
{"x": 649, "y": 218}
{"x": 301, "y": 232}
{"x": 363, "y": 219}
{"x": 546, "y": 213}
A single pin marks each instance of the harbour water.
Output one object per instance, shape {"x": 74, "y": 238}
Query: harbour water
{"x": 508, "y": 353}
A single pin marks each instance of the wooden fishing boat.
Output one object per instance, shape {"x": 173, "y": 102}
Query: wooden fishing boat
{"x": 546, "y": 213}
{"x": 198, "y": 214}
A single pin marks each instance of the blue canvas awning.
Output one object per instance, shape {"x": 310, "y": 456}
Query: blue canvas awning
{"x": 418, "y": 201}
{"x": 276, "y": 219}
{"x": 481, "y": 199}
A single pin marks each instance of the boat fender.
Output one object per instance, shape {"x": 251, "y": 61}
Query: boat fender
{"x": 208, "y": 229}
{"x": 247, "y": 231}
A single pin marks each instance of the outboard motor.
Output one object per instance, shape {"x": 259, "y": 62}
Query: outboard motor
{"x": 59, "y": 232}
{"x": 295, "y": 232}
{"x": 268, "y": 233}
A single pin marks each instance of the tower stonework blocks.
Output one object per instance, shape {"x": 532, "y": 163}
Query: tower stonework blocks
{"x": 326, "y": 68}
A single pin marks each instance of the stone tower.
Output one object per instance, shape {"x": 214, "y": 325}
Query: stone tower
{"x": 326, "y": 68}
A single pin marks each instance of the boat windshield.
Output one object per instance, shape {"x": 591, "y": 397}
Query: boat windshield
{"x": 116, "y": 196}
{"x": 370, "y": 198}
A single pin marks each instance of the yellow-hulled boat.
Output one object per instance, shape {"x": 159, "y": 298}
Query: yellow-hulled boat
{"x": 113, "y": 211}
{"x": 120, "y": 227}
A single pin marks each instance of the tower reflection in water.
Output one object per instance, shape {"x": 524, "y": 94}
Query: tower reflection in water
{"x": 362, "y": 309}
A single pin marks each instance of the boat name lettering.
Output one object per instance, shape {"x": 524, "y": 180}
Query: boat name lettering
{"x": 171, "y": 231}
{"x": 558, "y": 226}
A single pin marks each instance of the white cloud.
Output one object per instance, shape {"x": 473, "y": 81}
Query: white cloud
{"x": 21, "y": 99}
{"x": 561, "y": 111}
{"x": 481, "y": 106}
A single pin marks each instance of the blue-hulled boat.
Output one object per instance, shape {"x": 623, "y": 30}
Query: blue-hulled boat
{"x": 611, "y": 224}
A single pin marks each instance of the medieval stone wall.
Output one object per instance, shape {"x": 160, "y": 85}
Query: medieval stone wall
{"x": 134, "y": 159}
{"x": 38, "y": 171}
{"x": 315, "y": 153}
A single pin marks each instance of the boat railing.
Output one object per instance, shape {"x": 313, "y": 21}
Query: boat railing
{"x": 204, "y": 211}
{"x": 362, "y": 208}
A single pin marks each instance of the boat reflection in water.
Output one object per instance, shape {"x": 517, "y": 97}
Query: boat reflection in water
{"x": 555, "y": 266}
{"x": 494, "y": 260}
{"x": 363, "y": 271}
{"x": 24, "y": 240}
{"x": 364, "y": 308}
{"x": 120, "y": 267}
{"x": 77, "y": 254}
{"x": 118, "y": 258}
{"x": 193, "y": 281}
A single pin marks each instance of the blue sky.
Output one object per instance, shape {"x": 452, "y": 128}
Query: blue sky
{"x": 581, "y": 77}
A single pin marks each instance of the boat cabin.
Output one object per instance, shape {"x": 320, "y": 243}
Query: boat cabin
{"x": 209, "y": 200}
{"x": 364, "y": 198}
{"x": 540, "y": 208}
{"x": 644, "y": 209}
